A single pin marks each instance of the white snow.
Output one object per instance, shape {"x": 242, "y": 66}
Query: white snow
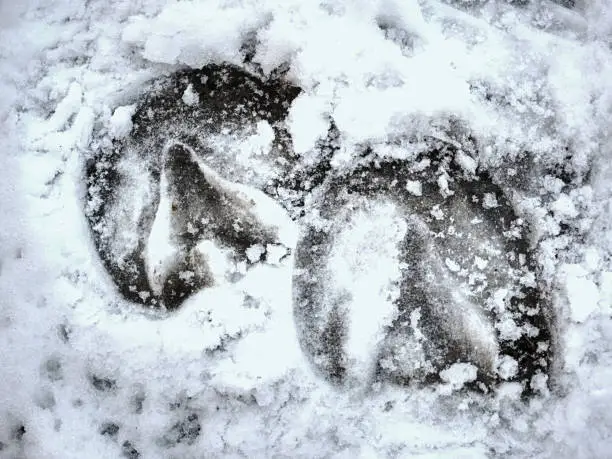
{"x": 466, "y": 162}
{"x": 254, "y": 252}
{"x": 190, "y": 97}
{"x": 161, "y": 254}
{"x": 71, "y": 72}
{"x": 307, "y": 123}
{"x": 458, "y": 374}
{"x": 489, "y": 201}
{"x": 121, "y": 121}
{"x": 414, "y": 187}
{"x": 582, "y": 293}
{"x": 508, "y": 367}
{"x": 364, "y": 265}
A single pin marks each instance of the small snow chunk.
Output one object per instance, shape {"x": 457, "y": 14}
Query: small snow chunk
{"x": 255, "y": 252}
{"x": 480, "y": 263}
{"x": 121, "y": 121}
{"x": 264, "y": 396}
{"x": 539, "y": 383}
{"x": 564, "y": 207}
{"x": 507, "y": 367}
{"x": 582, "y": 293}
{"x": 489, "y": 201}
{"x": 190, "y": 97}
{"x": 458, "y": 374}
{"x": 421, "y": 165}
{"x": 275, "y": 253}
{"x": 436, "y": 212}
{"x": 452, "y": 265}
{"x": 307, "y": 122}
{"x": 467, "y": 163}
{"x": 499, "y": 299}
{"x": 552, "y": 184}
{"x": 528, "y": 280}
{"x": 414, "y": 187}
{"x": 443, "y": 185}
{"x": 508, "y": 329}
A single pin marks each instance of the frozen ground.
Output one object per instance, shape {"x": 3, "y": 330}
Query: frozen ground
{"x": 86, "y": 373}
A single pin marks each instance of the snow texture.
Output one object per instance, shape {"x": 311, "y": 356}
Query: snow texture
{"x": 405, "y": 252}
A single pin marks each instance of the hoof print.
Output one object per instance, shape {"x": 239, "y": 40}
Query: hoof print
{"x": 460, "y": 301}
{"x": 165, "y": 224}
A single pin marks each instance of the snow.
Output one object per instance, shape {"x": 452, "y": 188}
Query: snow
{"x": 121, "y": 121}
{"x": 523, "y": 90}
{"x": 190, "y": 97}
{"x": 414, "y": 187}
{"x": 458, "y": 374}
{"x": 364, "y": 264}
{"x": 582, "y": 293}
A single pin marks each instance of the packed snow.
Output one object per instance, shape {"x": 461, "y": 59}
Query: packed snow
{"x": 519, "y": 91}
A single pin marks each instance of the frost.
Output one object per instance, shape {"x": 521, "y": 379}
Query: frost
{"x": 368, "y": 273}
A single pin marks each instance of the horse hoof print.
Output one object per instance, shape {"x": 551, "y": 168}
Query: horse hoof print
{"x": 412, "y": 271}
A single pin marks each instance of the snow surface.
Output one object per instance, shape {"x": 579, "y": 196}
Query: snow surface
{"x": 86, "y": 374}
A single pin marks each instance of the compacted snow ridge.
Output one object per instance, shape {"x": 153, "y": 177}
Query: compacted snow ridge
{"x": 275, "y": 228}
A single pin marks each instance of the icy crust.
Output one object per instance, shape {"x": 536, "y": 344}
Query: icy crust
{"x": 465, "y": 288}
{"x": 217, "y": 117}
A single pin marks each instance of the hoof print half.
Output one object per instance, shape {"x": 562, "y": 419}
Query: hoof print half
{"x": 461, "y": 292}
{"x": 165, "y": 224}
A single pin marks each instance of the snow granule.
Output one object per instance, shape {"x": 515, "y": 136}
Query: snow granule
{"x": 414, "y": 187}
{"x": 121, "y": 121}
{"x": 489, "y": 201}
{"x": 458, "y": 374}
{"x": 507, "y": 367}
{"x": 190, "y": 97}
{"x": 582, "y": 293}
